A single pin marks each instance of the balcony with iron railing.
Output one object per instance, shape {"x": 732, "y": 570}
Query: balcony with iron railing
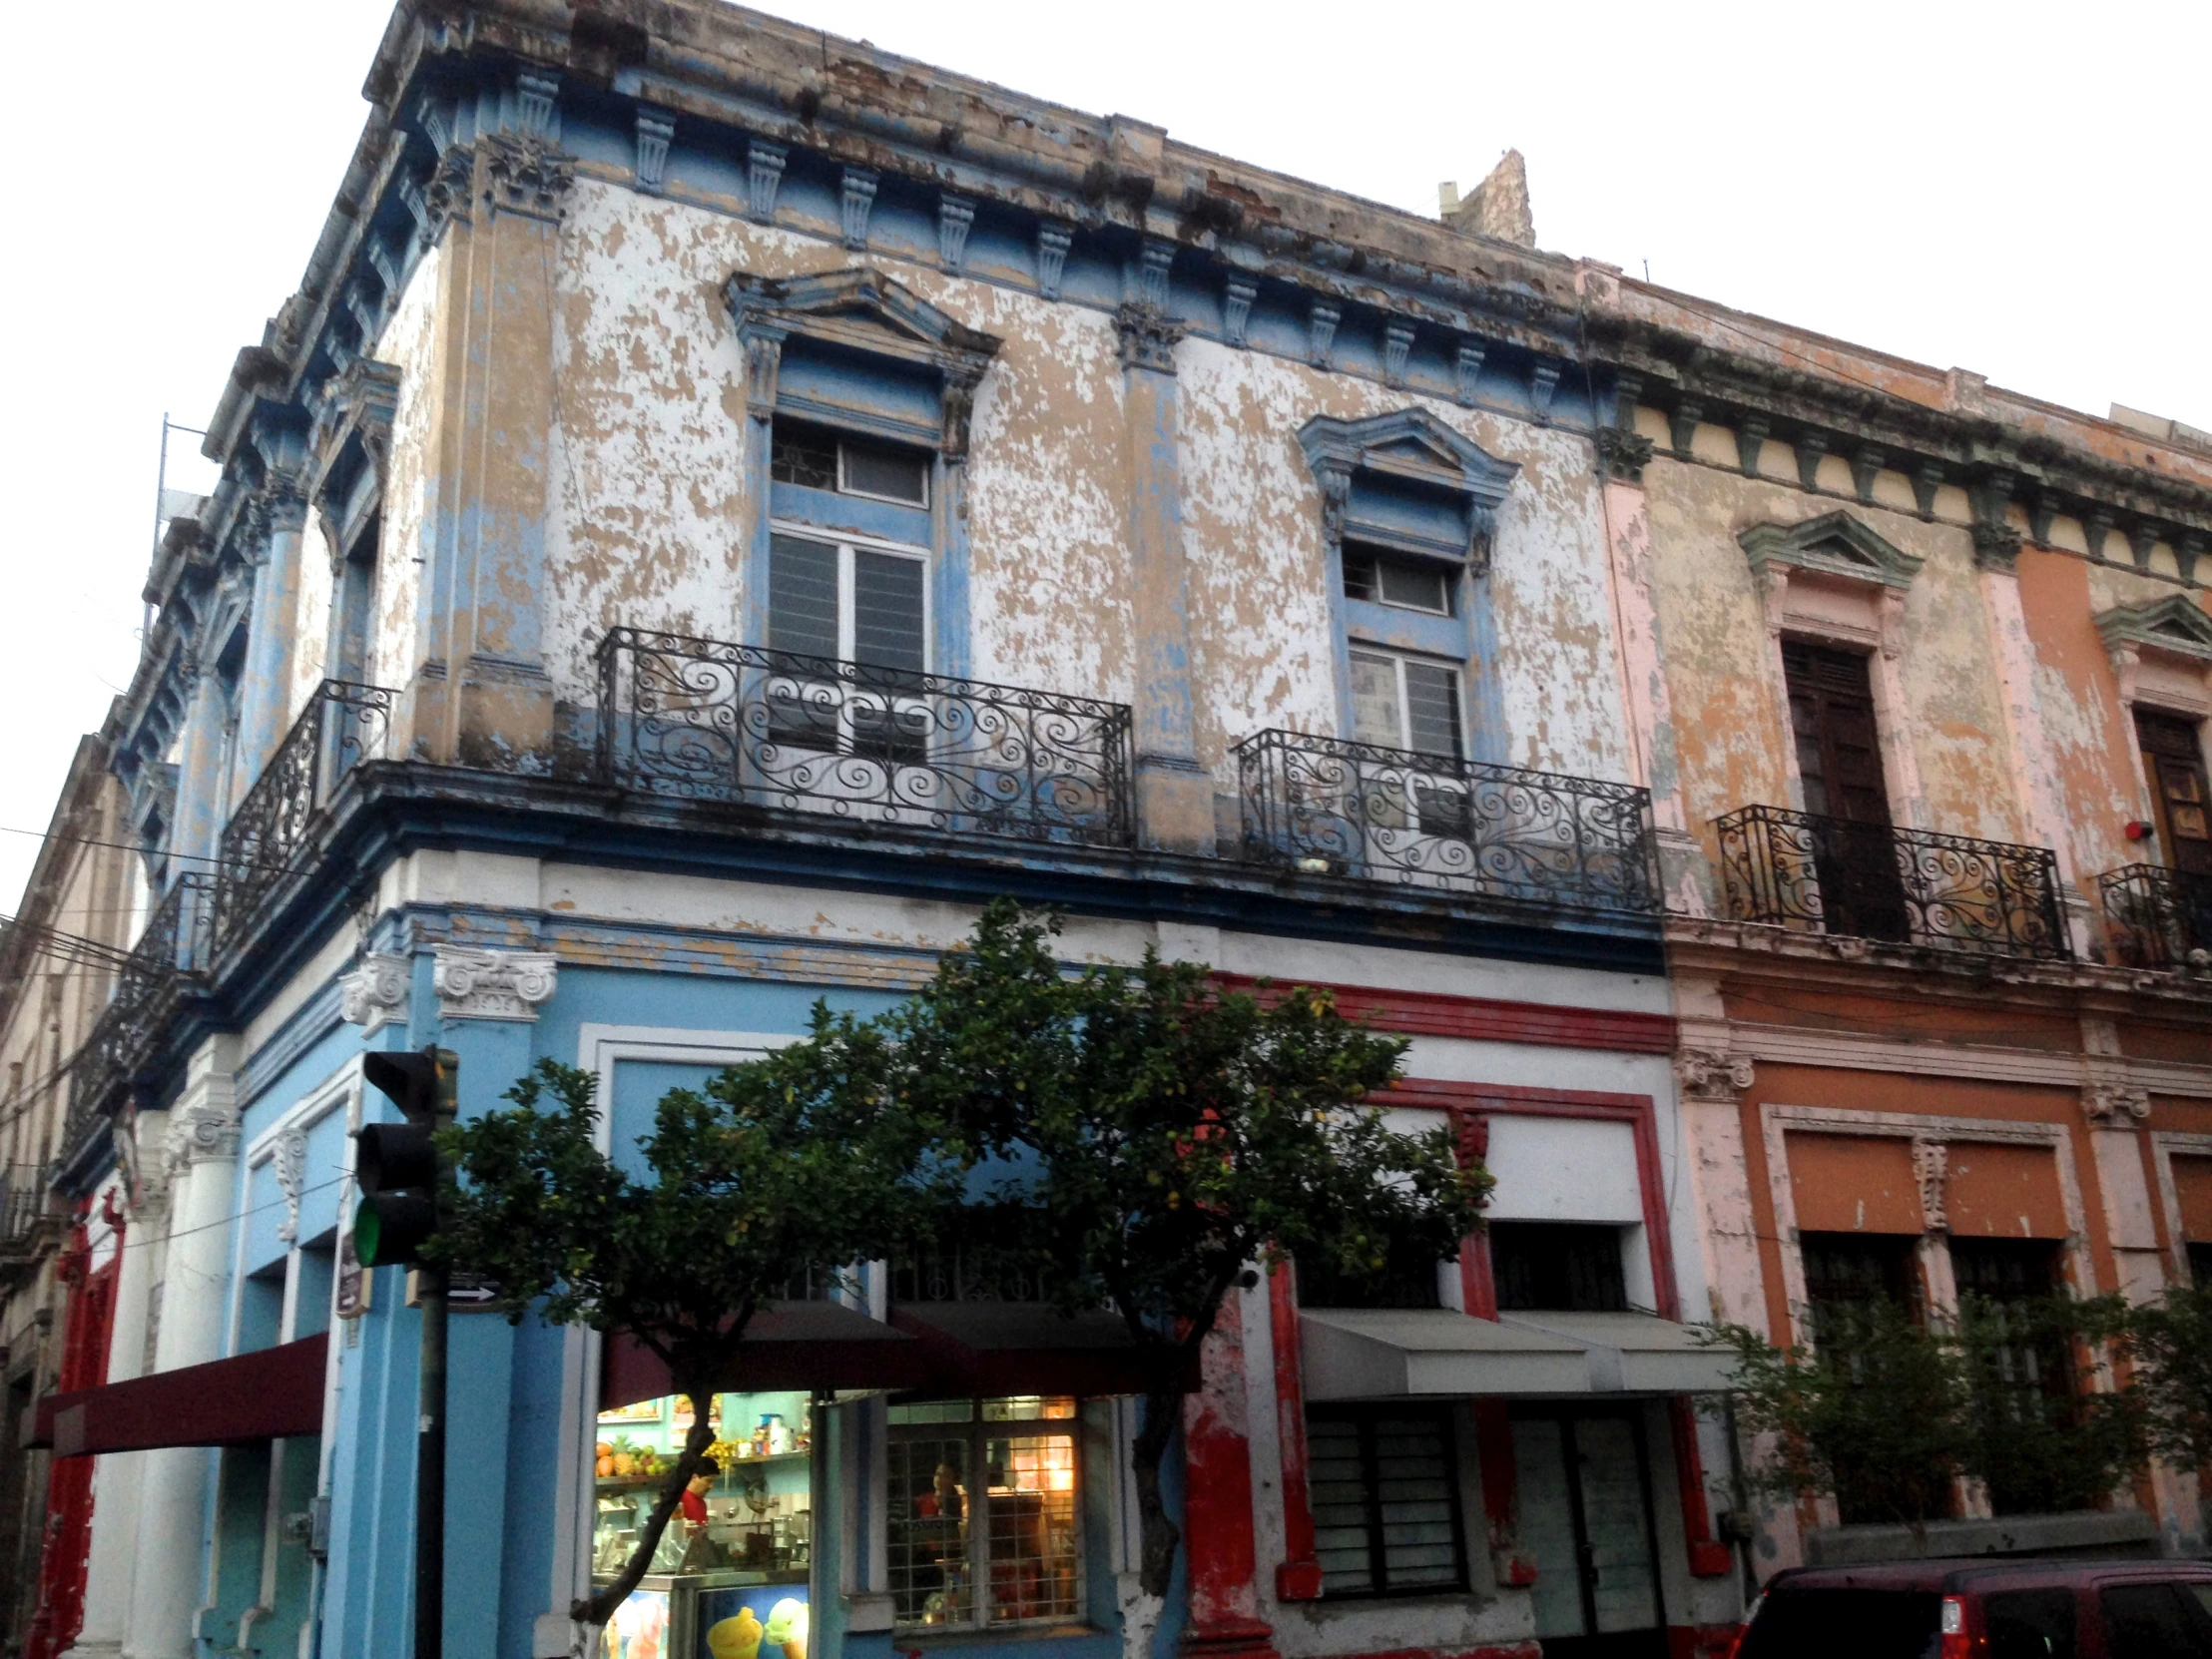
{"x": 2158, "y": 918}
{"x": 689, "y": 719}
{"x": 25, "y": 1209}
{"x": 342, "y": 724}
{"x": 170, "y": 951}
{"x": 1901, "y": 886}
{"x": 1541, "y": 838}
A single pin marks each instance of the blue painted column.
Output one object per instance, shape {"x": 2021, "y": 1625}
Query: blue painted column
{"x": 482, "y": 695}
{"x": 1175, "y": 794}
{"x": 200, "y": 814}
{"x": 265, "y": 687}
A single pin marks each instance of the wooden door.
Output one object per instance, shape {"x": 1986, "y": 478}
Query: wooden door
{"x": 1838, "y": 752}
{"x": 2173, "y": 757}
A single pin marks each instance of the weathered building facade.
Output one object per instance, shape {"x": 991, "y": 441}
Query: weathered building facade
{"x": 61, "y": 956}
{"x": 725, "y": 503}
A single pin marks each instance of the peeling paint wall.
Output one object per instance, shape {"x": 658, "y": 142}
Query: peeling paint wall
{"x": 648, "y": 495}
{"x": 413, "y": 343}
{"x": 1730, "y": 728}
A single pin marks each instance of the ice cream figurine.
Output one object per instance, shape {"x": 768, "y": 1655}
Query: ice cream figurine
{"x": 738, "y": 1638}
{"x": 787, "y": 1627}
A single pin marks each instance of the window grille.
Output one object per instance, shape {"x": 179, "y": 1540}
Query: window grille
{"x": 1385, "y": 1500}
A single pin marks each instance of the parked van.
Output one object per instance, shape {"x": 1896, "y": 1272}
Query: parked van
{"x": 1984, "y": 1609}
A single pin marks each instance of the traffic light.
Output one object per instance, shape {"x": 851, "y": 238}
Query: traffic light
{"x": 396, "y": 1164}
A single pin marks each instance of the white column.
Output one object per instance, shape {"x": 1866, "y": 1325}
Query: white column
{"x": 116, "y": 1478}
{"x": 202, "y": 1156}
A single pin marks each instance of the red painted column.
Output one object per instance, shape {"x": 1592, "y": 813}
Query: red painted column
{"x": 67, "y": 1554}
{"x": 1297, "y": 1575}
{"x": 1220, "y": 1556}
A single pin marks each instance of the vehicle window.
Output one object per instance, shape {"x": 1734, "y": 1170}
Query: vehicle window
{"x": 2154, "y": 1621}
{"x": 2029, "y": 1624}
{"x": 1845, "y": 1623}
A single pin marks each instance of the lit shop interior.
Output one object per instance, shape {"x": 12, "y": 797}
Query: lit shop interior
{"x": 982, "y": 1521}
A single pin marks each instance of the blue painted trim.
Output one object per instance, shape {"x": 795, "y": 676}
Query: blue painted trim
{"x": 1401, "y": 629}
{"x": 314, "y": 1020}
{"x": 951, "y": 642}
{"x": 836, "y": 514}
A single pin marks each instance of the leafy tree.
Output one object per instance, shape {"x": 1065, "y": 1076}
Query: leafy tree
{"x": 796, "y": 1161}
{"x": 2171, "y": 1343}
{"x": 1162, "y": 1135}
{"x": 1872, "y": 1416}
{"x": 1887, "y": 1410}
{"x": 2037, "y": 1429}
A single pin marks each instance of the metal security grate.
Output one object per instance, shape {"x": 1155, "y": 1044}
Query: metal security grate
{"x": 1385, "y": 1500}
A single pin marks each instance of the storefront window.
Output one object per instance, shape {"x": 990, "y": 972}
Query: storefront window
{"x": 729, "y": 1579}
{"x": 1017, "y": 1458}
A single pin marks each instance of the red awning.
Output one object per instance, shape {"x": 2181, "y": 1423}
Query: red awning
{"x": 271, "y": 1393}
{"x": 788, "y": 1345}
{"x": 1022, "y": 1347}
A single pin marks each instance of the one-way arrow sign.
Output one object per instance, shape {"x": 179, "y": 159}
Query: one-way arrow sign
{"x": 472, "y": 1293}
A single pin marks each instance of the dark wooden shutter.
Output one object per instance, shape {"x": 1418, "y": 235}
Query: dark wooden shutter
{"x": 2174, "y": 757}
{"x": 1838, "y": 748}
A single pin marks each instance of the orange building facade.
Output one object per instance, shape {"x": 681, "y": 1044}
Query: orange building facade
{"x": 1923, "y": 670}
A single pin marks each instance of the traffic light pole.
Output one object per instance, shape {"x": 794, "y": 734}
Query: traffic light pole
{"x": 430, "y": 1609}
{"x": 405, "y": 1198}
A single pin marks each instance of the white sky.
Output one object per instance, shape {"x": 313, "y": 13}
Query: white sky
{"x": 2016, "y": 189}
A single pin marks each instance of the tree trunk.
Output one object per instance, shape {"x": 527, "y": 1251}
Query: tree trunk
{"x": 600, "y": 1606}
{"x": 1163, "y": 1410}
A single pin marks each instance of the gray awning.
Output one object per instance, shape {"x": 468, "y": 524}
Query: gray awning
{"x": 1431, "y": 1352}
{"x": 1638, "y": 1354}
{"x": 1435, "y": 1354}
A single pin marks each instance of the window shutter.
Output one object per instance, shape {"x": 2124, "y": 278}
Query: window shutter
{"x": 802, "y": 595}
{"x": 886, "y": 611}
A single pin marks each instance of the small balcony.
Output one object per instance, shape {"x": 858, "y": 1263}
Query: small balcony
{"x": 1501, "y": 833}
{"x": 170, "y": 951}
{"x": 1903, "y": 886}
{"x": 264, "y": 844}
{"x": 24, "y": 1211}
{"x": 2156, "y": 918}
{"x": 702, "y": 720}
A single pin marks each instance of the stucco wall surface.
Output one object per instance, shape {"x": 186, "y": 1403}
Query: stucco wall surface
{"x": 648, "y": 495}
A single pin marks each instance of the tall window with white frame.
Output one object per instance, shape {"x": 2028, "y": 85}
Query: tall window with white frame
{"x": 857, "y": 597}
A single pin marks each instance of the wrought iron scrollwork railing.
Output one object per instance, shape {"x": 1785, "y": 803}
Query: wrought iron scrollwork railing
{"x": 343, "y": 723}
{"x": 1878, "y": 881}
{"x": 1467, "y": 827}
{"x": 22, "y": 1204}
{"x": 703, "y": 720}
{"x": 167, "y": 960}
{"x": 2156, "y": 918}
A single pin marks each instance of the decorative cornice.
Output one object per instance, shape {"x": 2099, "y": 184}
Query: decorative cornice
{"x": 375, "y": 993}
{"x": 857, "y": 201}
{"x": 764, "y": 177}
{"x": 655, "y": 134}
{"x": 492, "y": 984}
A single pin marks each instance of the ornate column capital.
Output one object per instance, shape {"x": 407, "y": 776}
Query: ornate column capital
{"x": 375, "y": 993}
{"x": 197, "y": 1135}
{"x": 1148, "y": 337}
{"x": 492, "y": 984}
{"x": 1624, "y": 453}
{"x": 1712, "y": 1075}
{"x": 2114, "y": 1105}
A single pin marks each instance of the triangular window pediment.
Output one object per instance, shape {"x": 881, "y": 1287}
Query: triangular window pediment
{"x": 860, "y": 309}
{"x": 1835, "y": 544}
{"x": 2176, "y": 624}
{"x": 1406, "y": 479}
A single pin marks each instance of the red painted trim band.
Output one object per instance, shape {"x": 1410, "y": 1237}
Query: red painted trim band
{"x": 1482, "y": 1018}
